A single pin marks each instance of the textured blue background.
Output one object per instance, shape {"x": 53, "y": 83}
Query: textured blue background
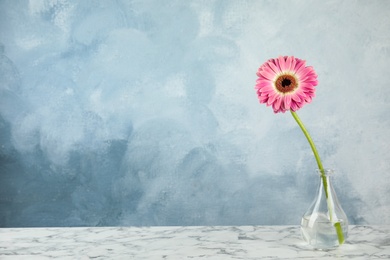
{"x": 144, "y": 112}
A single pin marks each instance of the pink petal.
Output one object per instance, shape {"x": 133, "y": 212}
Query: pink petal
{"x": 299, "y": 68}
{"x": 302, "y": 74}
{"x": 263, "y": 99}
{"x": 308, "y": 99}
{"x": 268, "y": 90}
{"x": 271, "y": 99}
{"x": 287, "y": 101}
{"x": 263, "y": 83}
{"x": 267, "y": 74}
{"x": 289, "y": 63}
{"x": 294, "y": 106}
{"x": 301, "y": 94}
{"x": 274, "y": 67}
{"x": 299, "y": 63}
{"x": 277, "y": 103}
{"x": 293, "y": 63}
{"x": 306, "y": 87}
{"x": 282, "y": 63}
{"x": 295, "y": 98}
{"x": 270, "y": 71}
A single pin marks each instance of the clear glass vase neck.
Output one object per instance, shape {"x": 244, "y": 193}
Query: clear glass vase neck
{"x": 326, "y": 172}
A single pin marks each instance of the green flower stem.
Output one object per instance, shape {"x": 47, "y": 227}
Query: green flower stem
{"x": 323, "y": 176}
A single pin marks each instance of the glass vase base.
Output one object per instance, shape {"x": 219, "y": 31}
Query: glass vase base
{"x": 321, "y": 234}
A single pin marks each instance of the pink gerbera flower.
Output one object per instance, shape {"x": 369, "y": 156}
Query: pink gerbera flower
{"x": 285, "y": 83}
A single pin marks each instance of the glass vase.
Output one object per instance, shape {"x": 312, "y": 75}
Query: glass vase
{"x": 325, "y": 225}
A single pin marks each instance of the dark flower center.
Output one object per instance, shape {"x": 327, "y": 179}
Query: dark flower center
{"x": 286, "y": 83}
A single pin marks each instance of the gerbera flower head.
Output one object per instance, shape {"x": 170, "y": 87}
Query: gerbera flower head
{"x": 285, "y": 83}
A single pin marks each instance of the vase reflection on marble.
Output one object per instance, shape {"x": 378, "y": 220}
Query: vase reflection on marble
{"x": 325, "y": 225}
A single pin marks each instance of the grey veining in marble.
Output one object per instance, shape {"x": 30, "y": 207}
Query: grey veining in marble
{"x": 221, "y": 242}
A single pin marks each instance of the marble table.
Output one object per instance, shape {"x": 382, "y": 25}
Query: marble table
{"x": 201, "y": 242}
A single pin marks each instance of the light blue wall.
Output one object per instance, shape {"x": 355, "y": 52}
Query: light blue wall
{"x": 145, "y": 113}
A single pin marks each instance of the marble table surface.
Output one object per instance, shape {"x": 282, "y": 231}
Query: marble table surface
{"x": 192, "y": 242}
